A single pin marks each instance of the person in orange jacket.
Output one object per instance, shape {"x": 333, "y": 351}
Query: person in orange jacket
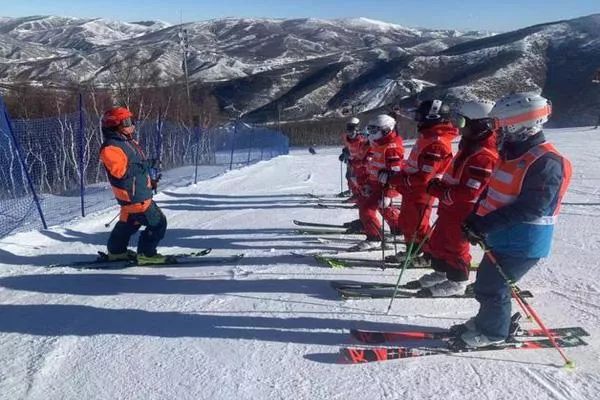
{"x": 428, "y": 159}
{"x": 458, "y": 191}
{"x": 516, "y": 215}
{"x": 385, "y": 155}
{"x": 128, "y": 172}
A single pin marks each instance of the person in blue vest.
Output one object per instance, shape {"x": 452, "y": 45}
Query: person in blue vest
{"x": 129, "y": 173}
{"x": 515, "y": 217}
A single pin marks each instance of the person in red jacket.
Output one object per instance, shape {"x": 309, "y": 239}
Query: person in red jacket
{"x": 353, "y": 154}
{"x": 385, "y": 155}
{"x": 428, "y": 159}
{"x": 458, "y": 191}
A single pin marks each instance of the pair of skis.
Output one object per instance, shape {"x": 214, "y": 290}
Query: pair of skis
{"x": 523, "y": 339}
{"x": 334, "y": 261}
{"x": 313, "y": 228}
{"x": 377, "y": 290}
{"x": 331, "y": 202}
{"x": 199, "y": 257}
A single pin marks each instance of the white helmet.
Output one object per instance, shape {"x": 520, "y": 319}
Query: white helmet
{"x": 472, "y": 117}
{"x": 475, "y": 109}
{"x": 352, "y": 127}
{"x": 380, "y": 126}
{"x": 521, "y": 115}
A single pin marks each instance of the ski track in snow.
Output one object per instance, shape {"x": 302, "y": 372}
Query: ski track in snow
{"x": 270, "y": 327}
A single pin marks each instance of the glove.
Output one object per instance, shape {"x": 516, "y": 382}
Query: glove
{"x": 436, "y": 188}
{"x": 383, "y": 176}
{"x": 155, "y": 177}
{"x": 345, "y": 156}
{"x": 472, "y": 234}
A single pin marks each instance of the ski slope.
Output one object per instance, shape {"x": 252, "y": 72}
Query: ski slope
{"x": 270, "y": 327}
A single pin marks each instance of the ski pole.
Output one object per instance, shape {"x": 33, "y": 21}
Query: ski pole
{"x": 394, "y": 238}
{"x": 409, "y": 252}
{"x": 517, "y": 294}
{"x": 408, "y": 259}
{"x": 106, "y": 225}
{"x": 341, "y": 178}
{"x": 383, "y": 227}
{"x": 518, "y": 299}
{"x": 520, "y": 303}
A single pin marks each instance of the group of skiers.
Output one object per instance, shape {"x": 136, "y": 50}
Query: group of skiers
{"x": 502, "y": 189}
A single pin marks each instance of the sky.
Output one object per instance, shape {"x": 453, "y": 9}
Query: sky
{"x": 488, "y": 15}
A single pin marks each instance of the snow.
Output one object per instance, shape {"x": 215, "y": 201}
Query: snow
{"x": 366, "y": 23}
{"x": 270, "y": 327}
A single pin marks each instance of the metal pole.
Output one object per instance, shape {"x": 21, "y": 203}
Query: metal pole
{"x": 196, "y": 162}
{"x": 279, "y": 108}
{"x": 184, "y": 43}
{"x": 417, "y": 248}
{"x": 233, "y": 145}
{"x": 159, "y": 126}
{"x": 81, "y": 154}
{"x": 341, "y": 177}
{"x": 106, "y": 225}
{"x": 250, "y": 145}
{"x": 24, "y": 166}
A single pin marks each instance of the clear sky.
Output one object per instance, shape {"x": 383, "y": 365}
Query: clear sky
{"x": 490, "y": 15}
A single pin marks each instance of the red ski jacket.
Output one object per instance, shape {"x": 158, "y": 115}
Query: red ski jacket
{"x": 467, "y": 176}
{"x": 428, "y": 159}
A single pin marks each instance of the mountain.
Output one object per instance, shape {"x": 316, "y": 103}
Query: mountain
{"x": 308, "y": 68}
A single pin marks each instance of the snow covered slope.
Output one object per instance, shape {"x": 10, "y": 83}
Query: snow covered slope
{"x": 270, "y": 327}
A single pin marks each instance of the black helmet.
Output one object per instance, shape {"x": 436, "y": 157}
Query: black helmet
{"x": 433, "y": 111}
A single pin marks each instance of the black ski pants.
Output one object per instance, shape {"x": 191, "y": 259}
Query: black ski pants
{"x": 156, "y": 225}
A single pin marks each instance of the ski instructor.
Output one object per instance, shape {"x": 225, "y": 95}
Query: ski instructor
{"x": 128, "y": 172}
{"x": 515, "y": 218}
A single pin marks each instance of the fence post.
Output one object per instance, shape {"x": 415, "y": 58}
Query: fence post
{"x": 81, "y": 155}
{"x": 250, "y": 144}
{"x": 24, "y": 166}
{"x": 197, "y": 160}
{"x": 159, "y": 126}
{"x": 233, "y": 145}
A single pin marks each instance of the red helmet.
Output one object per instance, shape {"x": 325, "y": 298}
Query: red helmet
{"x": 117, "y": 116}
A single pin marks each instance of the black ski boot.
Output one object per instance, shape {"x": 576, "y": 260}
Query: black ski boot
{"x": 354, "y": 226}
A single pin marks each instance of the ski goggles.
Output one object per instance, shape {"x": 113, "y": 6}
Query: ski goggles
{"x": 373, "y": 129}
{"x": 126, "y": 123}
{"x": 460, "y": 121}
